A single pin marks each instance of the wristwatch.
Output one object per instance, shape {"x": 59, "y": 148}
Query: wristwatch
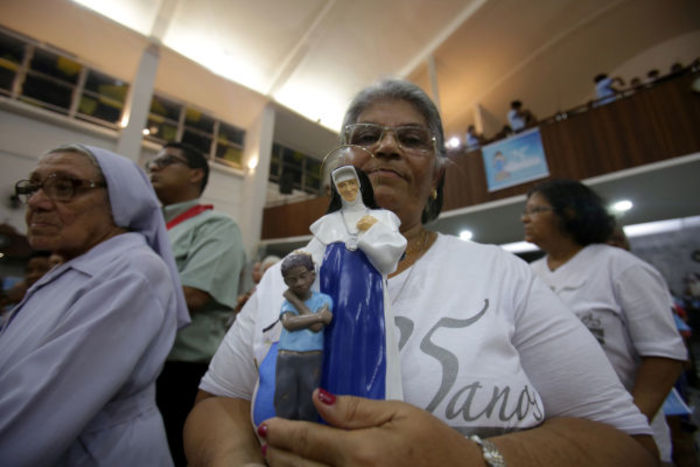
{"x": 492, "y": 455}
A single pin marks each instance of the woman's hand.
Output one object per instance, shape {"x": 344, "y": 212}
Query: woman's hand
{"x": 366, "y": 222}
{"x": 366, "y": 432}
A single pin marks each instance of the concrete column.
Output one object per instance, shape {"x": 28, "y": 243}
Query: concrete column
{"x": 259, "y": 139}
{"x": 138, "y": 103}
{"x": 432, "y": 75}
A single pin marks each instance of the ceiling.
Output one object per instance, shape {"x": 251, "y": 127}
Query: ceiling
{"x": 309, "y": 57}
{"x": 312, "y": 56}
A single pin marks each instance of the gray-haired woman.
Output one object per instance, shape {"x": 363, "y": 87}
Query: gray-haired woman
{"x": 485, "y": 349}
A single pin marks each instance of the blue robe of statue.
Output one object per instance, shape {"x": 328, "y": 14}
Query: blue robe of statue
{"x": 354, "y": 359}
{"x": 360, "y": 352}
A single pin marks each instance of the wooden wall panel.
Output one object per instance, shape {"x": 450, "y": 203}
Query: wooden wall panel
{"x": 653, "y": 124}
{"x": 294, "y": 219}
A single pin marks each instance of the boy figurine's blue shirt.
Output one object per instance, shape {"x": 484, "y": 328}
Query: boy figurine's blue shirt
{"x": 304, "y": 340}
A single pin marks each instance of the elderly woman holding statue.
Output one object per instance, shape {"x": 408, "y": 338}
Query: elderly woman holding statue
{"x": 492, "y": 371}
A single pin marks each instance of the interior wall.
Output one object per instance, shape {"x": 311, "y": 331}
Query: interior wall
{"x": 675, "y": 254}
{"x": 25, "y": 134}
{"x": 23, "y": 139}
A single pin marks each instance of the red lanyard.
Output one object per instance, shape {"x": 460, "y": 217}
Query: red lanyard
{"x": 191, "y": 212}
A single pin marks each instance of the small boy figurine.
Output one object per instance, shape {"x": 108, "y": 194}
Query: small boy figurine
{"x": 304, "y": 315}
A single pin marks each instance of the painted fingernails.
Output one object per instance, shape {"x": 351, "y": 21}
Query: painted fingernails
{"x": 262, "y": 430}
{"x": 263, "y": 450}
{"x": 326, "y": 397}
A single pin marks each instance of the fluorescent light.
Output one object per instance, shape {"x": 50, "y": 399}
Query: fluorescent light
{"x": 466, "y": 235}
{"x": 636, "y": 230}
{"x": 138, "y": 16}
{"x": 622, "y": 206}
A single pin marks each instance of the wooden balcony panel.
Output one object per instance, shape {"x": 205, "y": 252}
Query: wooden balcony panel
{"x": 653, "y": 124}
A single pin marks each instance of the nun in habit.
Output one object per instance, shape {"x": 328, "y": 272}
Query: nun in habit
{"x": 358, "y": 244}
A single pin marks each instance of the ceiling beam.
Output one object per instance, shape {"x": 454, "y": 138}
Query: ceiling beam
{"x": 446, "y": 32}
{"x": 164, "y": 17}
{"x": 299, "y": 51}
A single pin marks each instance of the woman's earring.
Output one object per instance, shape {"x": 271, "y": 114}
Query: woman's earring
{"x": 434, "y": 194}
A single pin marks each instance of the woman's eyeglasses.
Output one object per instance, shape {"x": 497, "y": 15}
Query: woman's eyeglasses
{"x": 536, "y": 210}
{"x": 56, "y": 187}
{"x": 412, "y": 139}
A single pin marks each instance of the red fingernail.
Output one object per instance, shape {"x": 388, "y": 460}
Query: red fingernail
{"x": 326, "y": 397}
{"x": 262, "y": 430}
{"x": 263, "y": 449}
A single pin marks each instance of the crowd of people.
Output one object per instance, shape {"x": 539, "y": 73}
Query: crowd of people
{"x": 606, "y": 90}
{"x": 126, "y": 352}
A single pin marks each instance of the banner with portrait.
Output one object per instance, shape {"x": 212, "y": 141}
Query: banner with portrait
{"x": 515, "y": 160}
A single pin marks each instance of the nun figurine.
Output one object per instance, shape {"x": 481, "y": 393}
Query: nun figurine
{"x": 360, "y": 245}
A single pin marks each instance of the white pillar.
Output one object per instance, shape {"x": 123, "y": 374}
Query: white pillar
{"x": 138, "y": 103}
{"x": 432, "y": 75}
{"x": 259, "y": 139}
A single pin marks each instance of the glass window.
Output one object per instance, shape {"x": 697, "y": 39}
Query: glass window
{"x": 231, "y": 134}
{"x": 312, "y": 175}
{"x": 55, "y": 66}
{"x": 47, "y": 91}
{"x": 198, "y": 140}
{"x": 165, "y": 108}
{"x": 275, "y": 162}
{"x": 230, "y": 154}
{"x": 160, "y": 129}
{"x": 198, "y": 120}
{"x": 103, "y": 97}
{"x": 305, "y": 171}
{"x": 11, "y": 55}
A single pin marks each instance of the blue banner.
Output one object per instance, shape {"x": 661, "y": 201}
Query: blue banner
{"x": 515, "y": 160}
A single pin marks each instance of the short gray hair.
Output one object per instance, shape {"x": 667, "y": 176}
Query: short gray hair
{"x": 398, "y": 89}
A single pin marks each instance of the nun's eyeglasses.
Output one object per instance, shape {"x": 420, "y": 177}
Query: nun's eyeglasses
{"x": 410, "y": 138}
{"x": 56, "y": 187}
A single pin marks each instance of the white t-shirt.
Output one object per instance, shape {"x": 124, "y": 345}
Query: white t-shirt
{"x": 484, "y": 345}
{"x": 625, "y": 303}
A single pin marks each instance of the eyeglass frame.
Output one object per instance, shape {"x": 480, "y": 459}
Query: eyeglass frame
{"x": 536, "y": 210}
{"x": 422, "y": 152}
{"x": 76, "y": 183}
{"x": 170, "y": 158}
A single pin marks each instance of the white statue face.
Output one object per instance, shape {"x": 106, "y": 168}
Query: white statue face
{"x": 348, "y": 189}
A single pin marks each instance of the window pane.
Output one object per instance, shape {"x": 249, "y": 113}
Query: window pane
{"x": 312, "y": 185}
{"x": 196, "y": 119}
{"x": 230, "y": 154}
{"x": 47, "y": 91}
{"x": 7, "y": 76}
{"x": 274, "y": 170}
{"x": 313, "y": 166}
{"x": 296, "y": 175}
{"x": 199, "y": 141}
{"x": 231, "y": 134}
{"x": 292, "y": 157}
{"x": 11, "y": 49}
{"x": 161, "y": 129}
{"x": 106, "y": 86}
{"x": 11, "y": 54}
{"x": 165, "y": 108}
{"x": 56, "y": 66}
{"x": 100, "y": 108}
